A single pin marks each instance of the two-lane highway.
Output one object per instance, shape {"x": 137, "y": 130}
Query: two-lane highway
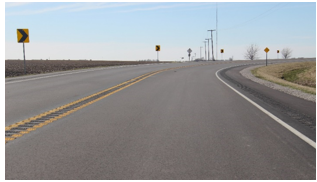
{"x": 175, "y": 124}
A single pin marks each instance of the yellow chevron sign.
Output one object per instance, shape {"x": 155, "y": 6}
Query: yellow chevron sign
{"x": 23, "y": 35}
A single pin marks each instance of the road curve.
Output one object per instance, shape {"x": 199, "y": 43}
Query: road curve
{"x": 177, "y": 124}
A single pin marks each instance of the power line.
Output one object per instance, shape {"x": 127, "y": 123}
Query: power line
{"x": 259, "y": 16}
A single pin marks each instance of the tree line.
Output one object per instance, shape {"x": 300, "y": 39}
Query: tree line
{"x": 253, "y": 51}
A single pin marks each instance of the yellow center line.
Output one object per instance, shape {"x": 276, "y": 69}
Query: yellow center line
{"x": 50, "y": 120}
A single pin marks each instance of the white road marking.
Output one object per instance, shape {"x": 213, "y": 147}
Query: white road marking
{"x": 49, "y": 76}
{"x": 294, "y": 131}
{"x": 69, "y": 73}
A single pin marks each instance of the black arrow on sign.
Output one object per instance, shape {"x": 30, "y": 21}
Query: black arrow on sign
{"x": 157, "y": 48}
{"x": 24, "y": 35}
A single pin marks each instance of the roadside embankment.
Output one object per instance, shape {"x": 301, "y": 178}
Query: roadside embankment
{"x": 247, "y": 73}
{"x": 298, "y": 75}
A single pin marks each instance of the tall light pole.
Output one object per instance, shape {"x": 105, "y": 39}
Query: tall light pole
{"x": 212, "y": 45}
{"x": 200, "y": 52}
{"x": 208, "y": 49}
{"x": 205, "y": 49}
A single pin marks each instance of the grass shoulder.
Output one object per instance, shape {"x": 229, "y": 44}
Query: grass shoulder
{"x": 299, "y": 75}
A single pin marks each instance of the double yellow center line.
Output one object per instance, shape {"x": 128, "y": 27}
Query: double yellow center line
{"x": 21, "y": 128}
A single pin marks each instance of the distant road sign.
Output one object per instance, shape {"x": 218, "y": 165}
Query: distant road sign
{"x": 266, "y": 50}
{"x": 23, "y": 35}
{"x": 189, "y": 50}
{"x": 157, "y": 48}
{"x": 221, "y": 51}
{"x": 278, "y": 51}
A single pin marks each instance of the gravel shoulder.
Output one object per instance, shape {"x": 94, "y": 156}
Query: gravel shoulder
{"x": 247, "y": 74}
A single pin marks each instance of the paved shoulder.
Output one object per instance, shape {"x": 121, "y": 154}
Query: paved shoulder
{"x": 297, "y": 112}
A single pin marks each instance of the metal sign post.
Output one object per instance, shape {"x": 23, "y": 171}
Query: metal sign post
{"x": 24, "y": 57}
{"x": 222, "y": 51}
{"x": 266, "y": 50}
{"x": 189, "y": 51}
{"x": 23, "y": 37}
{"x": 157, "y": 49}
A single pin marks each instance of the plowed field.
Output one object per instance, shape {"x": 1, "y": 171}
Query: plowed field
{"x": 16, "y": 67}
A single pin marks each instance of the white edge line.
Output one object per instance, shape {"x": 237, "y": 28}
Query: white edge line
{"x": 49, "y": 76}
{"x": 294, "y": 131}
{"x": 69, "y": 73}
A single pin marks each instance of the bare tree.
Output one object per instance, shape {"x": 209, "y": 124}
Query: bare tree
{"x": 287, "y": 53}
{"x": 252, "y": 52}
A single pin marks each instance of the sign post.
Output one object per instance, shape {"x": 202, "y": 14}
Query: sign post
{"x": 23, "y": 37}
{"x": 157, "y": 49}
{"x": 189, "y": 51}
{"x": 278, "y": 51}
{"x": 266, "y": 50}
{"x": 222, "y": 51}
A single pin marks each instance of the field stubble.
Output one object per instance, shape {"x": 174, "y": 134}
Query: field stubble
{"x": 16, "y": 67}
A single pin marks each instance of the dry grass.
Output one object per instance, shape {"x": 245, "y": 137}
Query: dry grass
{"x": 308, "y": 77}
{"x": 300, "y": 75}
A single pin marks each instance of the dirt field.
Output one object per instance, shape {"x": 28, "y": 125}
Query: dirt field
{"x": 16, "y": 67}
{"x": 300, "y": 75}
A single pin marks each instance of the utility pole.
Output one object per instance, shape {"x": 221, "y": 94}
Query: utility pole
{"x": 212, "y": 46}
{"x": 200, "y": 52}
{"x": 217, "y": 31}
{"x": 208, "y": 49}
{"x": 205, "y": 49}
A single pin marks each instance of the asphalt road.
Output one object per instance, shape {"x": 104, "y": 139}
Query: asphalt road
{"x": 178, "y": 124}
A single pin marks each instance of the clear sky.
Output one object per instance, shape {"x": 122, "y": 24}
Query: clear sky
{"x": 130, "y": 31}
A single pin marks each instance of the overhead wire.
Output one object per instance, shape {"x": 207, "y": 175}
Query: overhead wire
{"x": 257, "y": 17}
